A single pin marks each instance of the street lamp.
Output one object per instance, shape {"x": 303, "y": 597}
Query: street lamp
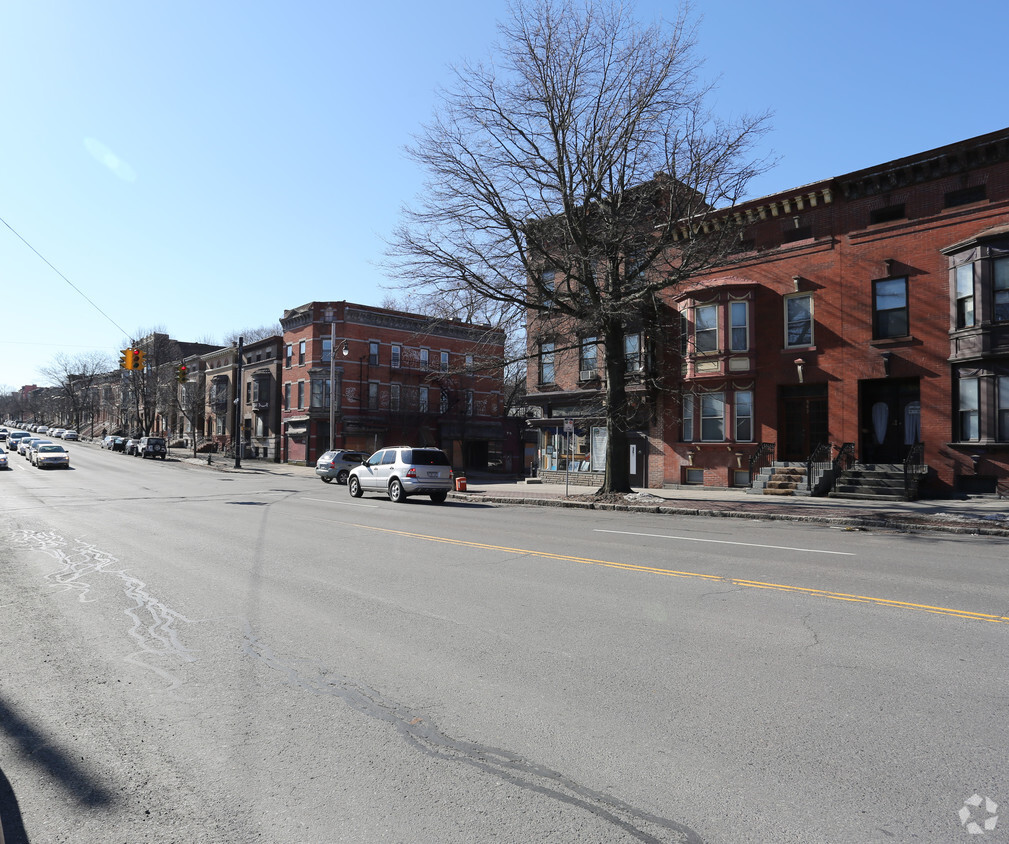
{"x": 330, "y": 315}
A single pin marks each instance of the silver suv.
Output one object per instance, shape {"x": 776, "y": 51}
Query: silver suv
{"x": 400, "y": 471}
{"x": 336, "y": 465}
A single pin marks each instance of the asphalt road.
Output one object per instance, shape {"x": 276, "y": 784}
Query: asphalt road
{"x": 197, "y": 656}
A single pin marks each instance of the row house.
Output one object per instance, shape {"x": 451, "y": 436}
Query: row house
{"x": 361, "y": 377}
{"x": 867, "y": 312}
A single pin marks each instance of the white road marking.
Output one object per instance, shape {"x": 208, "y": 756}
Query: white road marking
{"x": 727, "y": 542}
{"x": 344, "y": 503}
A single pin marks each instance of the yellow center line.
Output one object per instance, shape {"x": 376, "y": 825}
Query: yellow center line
{"x": 736, "y": 581}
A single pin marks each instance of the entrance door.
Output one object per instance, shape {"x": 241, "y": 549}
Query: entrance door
{"x": 889, "y": 419}
{"x": 636, "y": 462}
{"x": 803, "y": 414}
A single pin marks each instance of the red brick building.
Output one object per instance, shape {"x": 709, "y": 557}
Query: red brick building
{"x": 397, "y": 377}
{"x": 870, "y": 309}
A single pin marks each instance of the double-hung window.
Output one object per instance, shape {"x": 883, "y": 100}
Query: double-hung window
{"x": 712, "y": 417}
{"x": 889, "y": 308}
{"x": 301, "y": 352}
{"x": 632, "y": 353}
{"x": 744, "y": 416}
{"x": 395, "y": 356}
{"x": 425, "y": 359}
{"x": 444, "y": 361}
{"x": 301, "y": 394}
{"x": 1003, "y": 408}
{"x": 799, "y": 320}
{"x": 373, "y": 353}
{"x": 705, "y": 329}
{"x": 547, "y": 282}
{"x": 372, "y": 395}
{"x": 287, "y": 397}
{"x": 965, "y": 296}
{"x": 1000, "y": 283}
{"x": 688, "y": 418}
{"x": 394, "y": 397}
{"x": 327, "y": 349}
{"x": 546, "y": 363}
{"x": 288, "y": 354}
{"x": 739, "y": 328}
{"x": 588, "y": 359}
{"x": 422, "y": 404}
{"x": 969, "y": 408}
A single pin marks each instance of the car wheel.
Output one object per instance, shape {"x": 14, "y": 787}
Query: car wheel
{"x": 327, "y": 480}
{"x": 396, "y": 494}
{"x": 354, "y": 488}
{"x": 439, "y": 497}
{"x": 341, "y": 477}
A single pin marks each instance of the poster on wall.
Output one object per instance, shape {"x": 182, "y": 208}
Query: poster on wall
{"x": 599, "y": 449}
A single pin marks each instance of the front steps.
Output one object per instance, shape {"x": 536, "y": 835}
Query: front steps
{"x": 781, "y": 478}
{"x": 876, "y": 482}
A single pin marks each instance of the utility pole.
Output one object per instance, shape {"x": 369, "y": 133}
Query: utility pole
{"x": 237, "y": 437}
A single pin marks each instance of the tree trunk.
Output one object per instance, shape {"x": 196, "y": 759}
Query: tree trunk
{"x": 617, "y": 477}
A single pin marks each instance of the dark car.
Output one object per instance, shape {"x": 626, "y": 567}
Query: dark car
{"x": 152, "y": 447}
{"x": 130, "y": 447}
{"x": 118, "y": 444}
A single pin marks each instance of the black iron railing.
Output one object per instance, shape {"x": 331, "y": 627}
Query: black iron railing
{"x": 761, "y": 458}
{"x": 914, "y": 467}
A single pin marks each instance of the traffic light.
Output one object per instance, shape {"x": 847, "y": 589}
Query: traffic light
{"x": 138, "y": 358}
{"x": 182, "y": 374}
{"x": 126, "y": 358}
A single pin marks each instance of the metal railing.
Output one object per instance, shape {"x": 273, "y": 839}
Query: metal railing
{"x": 914, "y": 466}
{"x": 817, "y": 464}
{"x": 761, "y": 459}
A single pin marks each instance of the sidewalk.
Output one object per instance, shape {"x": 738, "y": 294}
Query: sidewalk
{"x": 981, "y": 516}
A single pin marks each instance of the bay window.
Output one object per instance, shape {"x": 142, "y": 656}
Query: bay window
{"x": 1000, "y": 283}
{"x": 705, "y": 329}
{"x": 969, "y": 408}
{"x": 965, "y": 296}
{"x": 739, "y": 329}
{"x": 688, "y": 418}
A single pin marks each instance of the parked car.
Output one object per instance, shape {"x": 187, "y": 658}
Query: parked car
{"x": 107, "y": 441}
{"x": 56, "y": 433}
{"x": 336, "y": 465}
{"x": 3, "y": 460}
{"x": 118, "y": 443}
{"x": 152, "y": 447}
{"x": 131, "y": 446}
{"x": 3, "y": 434}
{"x": 51, "y": 456}
{"x": 70, "y": 435}
{"x": 402, "y": 471}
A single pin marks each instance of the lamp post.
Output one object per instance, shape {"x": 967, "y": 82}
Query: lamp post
{"x": 332, "y": 377}
{"x": 237, "y": 439}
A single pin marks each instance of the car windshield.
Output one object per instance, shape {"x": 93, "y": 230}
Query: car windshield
{"x": 49, "y": 449}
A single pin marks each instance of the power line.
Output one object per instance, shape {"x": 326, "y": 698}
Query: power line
{"x": 67, "y": 280}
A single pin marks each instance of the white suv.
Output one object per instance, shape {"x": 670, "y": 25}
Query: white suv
{"x": 401, "y": 471}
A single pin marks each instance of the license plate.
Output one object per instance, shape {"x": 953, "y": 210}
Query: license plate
{"x": 434, "y": 474}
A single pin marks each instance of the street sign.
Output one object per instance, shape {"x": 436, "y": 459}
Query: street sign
{"x": 569, "y": 426}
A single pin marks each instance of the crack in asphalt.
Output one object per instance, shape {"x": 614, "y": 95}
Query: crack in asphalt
{"x": 423, "y": 735}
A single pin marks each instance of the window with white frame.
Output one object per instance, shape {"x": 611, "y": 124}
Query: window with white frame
{"x": 444, "y": 361}
{"x": 969, "y": 429}
{"x": 395, "y": 356}
{"x": 965, "y": 296}
{"x": 469, "y": 363}
{"x": 327, "y": 349}
{"x": 288, "y": 354}
{"x": 739, "y": 326}
{"x": 633, "y": 360}
{"x": 744, "y": 416}
{"x": 548, "y": 281}
{"x": 799, "y": 320}
{"x": 301, "y": 352}
{"x": 712, "y": 417}
{"x": 688, "y": 418}
{"x": 425, "y": 359}
{"x": 588, "y": 357}
{"x": 705, "y": 329}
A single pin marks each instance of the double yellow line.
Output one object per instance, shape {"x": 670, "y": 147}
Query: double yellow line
{"x": 735, "y": 581}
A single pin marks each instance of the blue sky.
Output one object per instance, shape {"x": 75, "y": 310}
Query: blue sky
{"x": 201, "y": 166}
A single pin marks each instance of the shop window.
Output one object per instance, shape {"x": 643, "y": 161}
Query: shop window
{"x": 889, "y": 308}
{"x": 799, "y": 320}
{"x": 706, "y": 329}
{"x": 965, "y": 296}
{"x": 968, "y": 410}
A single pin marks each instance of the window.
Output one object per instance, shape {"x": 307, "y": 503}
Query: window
{"x": 799, "y": 320}
{"x": 422, "y": 404}
{"x": 288, "y": 354}
{"x": 632, "y": 353}
{"x": 889, "y": 308}
{"x": 469, "y": 402}
{"x": 588, "y": 360}
{"x": 444, "y": 361}
{"x": 712, "y": 417}
{"x": 425, "y": 359}
{"x": 394, "y": 397}
{"x": 320, "y": 392}
{"x": 301, "y": 352}
{"x": 965, "y": 196}
{"x": 684, "y": 332}
{"x": 547, "y": 282}
{"x": 287, "y": 397}
{"x": 301, "y": 394}
{"x": 372, "y": 396}
{"x": 373, "y": 353}
{"x": 1000, "y": 282}
{"x": 965, "y": 296}
{"x": 688, "y": 418}
{"x": 248, "y": 392}
{"x": 706, "y": 329}
{"x": 744, "y": 416}
{"x": 739, "y": 337}
{"x": 395, "y": 356}
{"x": 968, "y": 409}
{"x": 546, "y": 363}
{"x": 1003, "y": 408}
{"x": 327, "y": 350}
{"x": 443, "y": 401}
{"x": 469, "y": 363}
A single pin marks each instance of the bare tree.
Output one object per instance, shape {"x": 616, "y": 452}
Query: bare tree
{"x": 74, "y": 376}
{"x": 575, "y": 178}
{"x": 251, "y": 335}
